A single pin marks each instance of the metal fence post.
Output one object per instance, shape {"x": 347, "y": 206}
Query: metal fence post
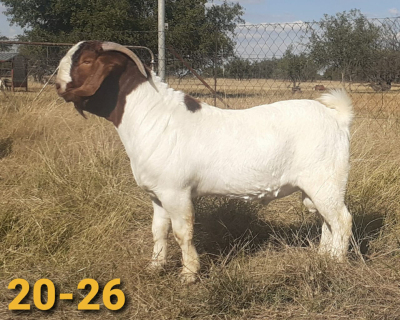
{"x": 161, "y": 39}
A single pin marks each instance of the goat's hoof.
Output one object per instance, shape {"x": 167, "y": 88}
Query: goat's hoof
{"x": 188, "y": 278}
{"x": 324, "y": 251}
{"x": 156, "y": 267}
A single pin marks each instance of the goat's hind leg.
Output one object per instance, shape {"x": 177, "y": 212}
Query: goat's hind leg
{"x": 336, "y": 228}
{"x": 337, "y": 221}
{"x": 326, "y": 236}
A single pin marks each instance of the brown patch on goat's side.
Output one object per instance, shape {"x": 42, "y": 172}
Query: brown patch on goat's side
{"x": 191, "y": 103}
{"x": 111, "y": 78}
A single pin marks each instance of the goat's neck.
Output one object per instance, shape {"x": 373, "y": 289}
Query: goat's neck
{"x": 148, "y": 111}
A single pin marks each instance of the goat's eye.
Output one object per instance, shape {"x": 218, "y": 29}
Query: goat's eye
{"x": 86, "y": 62}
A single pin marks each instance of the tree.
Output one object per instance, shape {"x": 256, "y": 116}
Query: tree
{"x": 73, "y": 20}
{"x": 296, "y": 67}
{"x": 385, "y": 67}
{"x": 192, "y": 26}
{"x": 346, "y": 41}
{"x": 264, "y": 69}
{"x": 220, "y": 27}
{"x": 238, "y": 69}
{"x": 203, "y": 35}
{"x": 4, "y": 47}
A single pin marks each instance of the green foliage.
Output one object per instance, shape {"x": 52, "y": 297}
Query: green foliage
{"x": 385, "y": 67}
{"x": 346, "y": 41}
{"x": 238, "y": 68}
{"x": 72, "y": 20}
{"x": 264, "y": 68}
{"x": 192, "y": 26}
{"x": 202, "y": 34}
{"x": 296, "y": 67}
{"x": 4, "y": 47}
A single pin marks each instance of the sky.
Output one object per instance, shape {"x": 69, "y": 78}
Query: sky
{"x": 5, "y": 28}
{"x": 279, "y": 11}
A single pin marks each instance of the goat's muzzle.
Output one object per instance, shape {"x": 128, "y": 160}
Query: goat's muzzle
{"x": 67, "y": 95}
{"x": 59, "y": 88}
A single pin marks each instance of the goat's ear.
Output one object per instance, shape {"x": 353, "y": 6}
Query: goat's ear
{"x": 112, "y": 46}
{"x": 99, "y": 72}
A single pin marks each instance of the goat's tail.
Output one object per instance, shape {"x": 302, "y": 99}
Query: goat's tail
{"x": 341, "y": 102}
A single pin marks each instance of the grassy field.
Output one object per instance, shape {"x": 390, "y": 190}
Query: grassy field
{"x": 70, "y": 209}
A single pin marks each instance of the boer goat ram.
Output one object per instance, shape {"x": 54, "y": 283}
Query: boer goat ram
{"x": 180, "y": 148}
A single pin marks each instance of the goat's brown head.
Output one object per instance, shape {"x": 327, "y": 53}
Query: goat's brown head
{"x": 96, "y": 76}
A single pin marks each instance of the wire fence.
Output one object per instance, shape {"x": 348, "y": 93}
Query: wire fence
{"x": 271, "y": 62}
{"x": 265, "y": 63}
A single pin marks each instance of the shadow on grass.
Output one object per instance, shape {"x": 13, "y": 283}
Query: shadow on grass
{"x": 5, "y": 147}
{"x": 366, "y": 228}
{"x": 225, "y": 227}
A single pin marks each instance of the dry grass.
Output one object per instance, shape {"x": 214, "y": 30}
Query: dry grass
{"x": 70, "y": 209}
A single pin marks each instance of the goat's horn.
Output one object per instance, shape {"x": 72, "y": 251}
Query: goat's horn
{"x": 111, "y": 46}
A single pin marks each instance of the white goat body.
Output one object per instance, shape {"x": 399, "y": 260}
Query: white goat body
{"x": 265, "y": 152}
{"x": 253, "y": 153}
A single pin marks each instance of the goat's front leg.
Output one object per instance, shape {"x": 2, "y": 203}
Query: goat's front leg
{"x": 181, "y": 212}
{"x": 160, "y": 227}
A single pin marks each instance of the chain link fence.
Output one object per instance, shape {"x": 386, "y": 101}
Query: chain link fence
{"x": 271, "y": 62}
{"x": 265, "y": 63}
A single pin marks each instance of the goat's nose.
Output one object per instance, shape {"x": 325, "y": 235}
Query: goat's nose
{"x": 58, "y": 86}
